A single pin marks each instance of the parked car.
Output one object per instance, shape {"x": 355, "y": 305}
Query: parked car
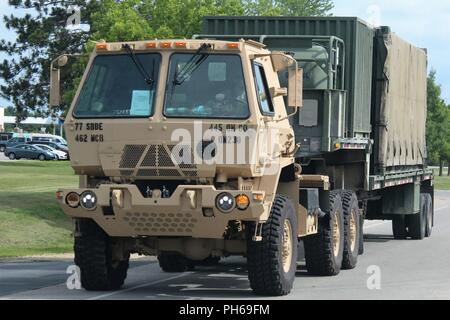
{"x": 4, "y": 137}
{"x": 54, "y": 145}
{"x": 16, "y": 141}
{"x": 28, "y": 151}
{"x": 60, "y": 154}
{"x": 48, "y": 138}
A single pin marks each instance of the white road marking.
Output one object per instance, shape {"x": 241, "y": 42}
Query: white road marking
{"x": 138, "y": 287}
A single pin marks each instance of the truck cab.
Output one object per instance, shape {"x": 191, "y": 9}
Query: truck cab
{"x": 184, "y": 150}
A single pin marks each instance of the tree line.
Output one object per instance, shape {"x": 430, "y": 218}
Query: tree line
{"x": 42, "y": 34}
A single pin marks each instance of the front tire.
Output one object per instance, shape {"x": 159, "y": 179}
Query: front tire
{"x": 93, "y": 255}
{"x": 272, "y": 262}
{"x": 324, "y": 250}
{"x": 41, "y": 157}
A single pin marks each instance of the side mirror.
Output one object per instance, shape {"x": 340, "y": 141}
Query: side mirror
{"x": 295, "y": 89}
{"x": 55, "y": 86}
{"x": 280, "y": 62}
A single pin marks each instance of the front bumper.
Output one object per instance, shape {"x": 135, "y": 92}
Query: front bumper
{"x": 122, "y": 211}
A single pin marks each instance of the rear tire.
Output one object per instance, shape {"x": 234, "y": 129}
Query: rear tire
{"x": 430, "y": 215}
{"x": 324, "y": 250}
{"x": 417, "y": 223}
{"x": 93, "y": 255}
{"x": 352, "y": 230}
{"x": 2, "y": 148}
{"x": 171, "y": 262}
{"x": 399, "y": 227}
{"x": 12, "y": 156}
{"x": 272, "y": 262}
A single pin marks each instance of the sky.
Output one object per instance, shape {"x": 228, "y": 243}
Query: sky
{"x": 424, "y": 23}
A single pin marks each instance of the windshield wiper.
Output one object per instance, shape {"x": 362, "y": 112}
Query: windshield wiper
{"x": 138, "y": 64}
{"x": 196, "y": 60}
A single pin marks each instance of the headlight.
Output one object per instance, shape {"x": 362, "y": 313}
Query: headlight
{"x": 225, "y": 202}
{"x": 88, "y": 200}
{"x": 73, "y": 200}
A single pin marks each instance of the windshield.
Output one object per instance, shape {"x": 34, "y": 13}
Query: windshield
{"x": 215, "y": 88}
{"x": 115, "y": 87}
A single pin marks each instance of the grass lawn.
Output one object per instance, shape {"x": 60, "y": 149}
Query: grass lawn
{"x": 31, "y": 221}
{"x": 442, "y": 183}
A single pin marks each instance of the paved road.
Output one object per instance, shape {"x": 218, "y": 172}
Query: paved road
{"x": 2, "y": 157}
{"x": 409, "y": 270}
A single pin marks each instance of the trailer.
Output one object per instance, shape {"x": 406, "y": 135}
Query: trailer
{"x": 363, "y": 118}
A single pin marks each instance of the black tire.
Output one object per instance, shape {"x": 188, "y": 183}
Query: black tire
{"x": 12, "y": 156}
{"x": 399, "y": 227}
{"x": 172, "y": 262}
{"x": 416, "y": 223}
{"x": 93, "y": 255}
{"x": 267, "y": 273}
{"x": 41, "y": 157}
{"x": 361, "y": 235}
{"x": 429, "y": 215}
{"x": 351, "y": 207}
{"x": 2, "y": 148}
{"x": 321, "y": 258}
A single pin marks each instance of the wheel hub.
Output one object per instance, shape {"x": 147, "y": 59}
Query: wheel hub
{"x": 353, "y": 231}
{"x": 287, "y": 246}
{"x": 336, "y": 236}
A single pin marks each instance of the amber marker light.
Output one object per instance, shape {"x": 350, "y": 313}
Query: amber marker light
{"x": 150, "y": 45}
{"x": 59, "y": 195}
{"x": 180, "y": 44}
{"x": 73, "y": 200}
{"x": 165, "y": 44}
{"x": 242, "y": 202}
{"x": 233, "y": 45}
{"x": 101, "y": 46}
{"x": 258, "y": 197}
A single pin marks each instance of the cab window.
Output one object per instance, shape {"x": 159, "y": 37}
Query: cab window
{"x": 262, "y": 88}
{"x": 206, "y": 86}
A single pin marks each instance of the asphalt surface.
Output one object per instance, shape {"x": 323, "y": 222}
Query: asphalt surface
{"x": 407, "y": 270}
{"x": 2, "y": 157}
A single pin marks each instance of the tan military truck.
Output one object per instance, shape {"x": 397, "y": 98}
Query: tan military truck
{"x": 189, "y": 150}
{"x": 146, "y": 130}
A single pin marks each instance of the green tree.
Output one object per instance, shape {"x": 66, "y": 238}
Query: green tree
{"x": 41, "y": 35}
{"x": 438, "y": 124}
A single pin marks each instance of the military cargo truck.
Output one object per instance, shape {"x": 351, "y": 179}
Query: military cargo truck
{"x": 194, "y": 150}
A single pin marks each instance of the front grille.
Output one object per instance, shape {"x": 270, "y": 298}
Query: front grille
{"x": 164, "y": 159}
{"x": 150, "y": 158}
{"x": 169, "y": 173}
{"x": 131, "y": 155}
{"x": 167, "y": 223}
{"x": 147, "y": 172}
{"x": 156, "y": 162}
